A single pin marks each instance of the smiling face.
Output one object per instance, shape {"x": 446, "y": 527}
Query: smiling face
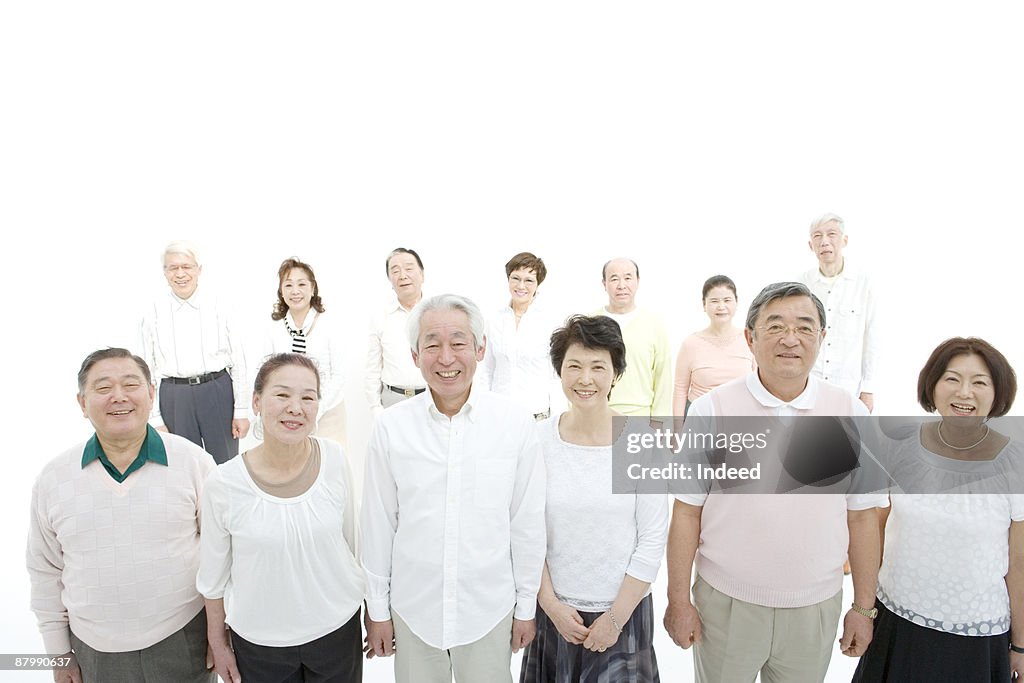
{"x": 288, "y": 404}
{"x": 406, "y": 277}
{"x": 297, "y": 290}
{"x": 117, "y": 399}
{"x": 786, "y": 339}
{"x": 621, "y": 282}
{"x": 182, "y": 273}
{"x": 522, "y": 285}
{"x": 447, "y": 357}
{"x": 965, "y": 388}
{"x": 827, "y": 242}
{"x": 587, "y": 377}
{"x": 720, "y": 304}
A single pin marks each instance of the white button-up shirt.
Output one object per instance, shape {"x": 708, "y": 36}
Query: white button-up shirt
{"x": 189, "y": 337}
{"x": 518, "y": 360}
{"x": 388, "y": 358}
{"x": 849, "y": 353}
{"x": 452, "y": 527}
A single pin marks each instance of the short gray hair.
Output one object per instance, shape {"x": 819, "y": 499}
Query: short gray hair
{"x": 827, "y": 218}
{"x": 182, "y": 247}
{"x": 446, "y": 302}
{"x": 781, "y": 290}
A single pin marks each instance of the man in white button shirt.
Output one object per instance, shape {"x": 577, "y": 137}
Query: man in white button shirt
{"x": 849, "y": 356}
{"x": 200, "y": 370}
{"x": 391, "y": 376}
{"x": 453, "y": 535}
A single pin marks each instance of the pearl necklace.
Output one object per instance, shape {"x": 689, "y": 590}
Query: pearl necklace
{"x": 961, "y": 448}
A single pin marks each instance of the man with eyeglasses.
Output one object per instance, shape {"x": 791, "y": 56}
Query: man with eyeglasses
{"x": 199, "y": 368}
{"x": 849, "y": 356}
{"x": 768, "y": 592}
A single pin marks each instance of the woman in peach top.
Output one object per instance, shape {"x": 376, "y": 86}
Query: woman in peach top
{"x": 714, "y": 355}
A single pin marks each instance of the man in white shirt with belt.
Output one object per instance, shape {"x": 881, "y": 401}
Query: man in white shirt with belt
{"x": 391, "y": 376}
{"x": 849, "y": 355}
{"x": 186, "y": 340}
{"x": 453, "y": 513}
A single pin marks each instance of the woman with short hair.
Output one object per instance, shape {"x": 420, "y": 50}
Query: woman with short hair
{"x": 951, "y": 587}
{"x": 596, "y": 617}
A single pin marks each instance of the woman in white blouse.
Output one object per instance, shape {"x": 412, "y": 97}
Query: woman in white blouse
{"x": 301, "y": 326}
{"x": 276, "y": 564}
{"x": 516, "y": 362}
{"x": 951, "y": 587}
{"x": 596, "y": 619}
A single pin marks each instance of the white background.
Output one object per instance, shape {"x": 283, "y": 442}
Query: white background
{"x": 694, "y": 139}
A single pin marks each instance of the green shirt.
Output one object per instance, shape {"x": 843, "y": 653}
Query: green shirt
{"x": 152, "y": 450}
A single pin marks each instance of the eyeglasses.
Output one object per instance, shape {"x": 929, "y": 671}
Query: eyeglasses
{"x": 776, "y": 330}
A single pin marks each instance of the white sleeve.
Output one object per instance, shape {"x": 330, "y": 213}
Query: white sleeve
{"x": 374, "y": 365}
{"x": 378, "y": 523}
{"x": 333, "y": 390}
{"x": 528, "y": 530}
{"x": 702, "y": 412}
{"x": 45, "y": 560}
{"x": 215, "y": 556}
{"x": 652, "y": 514}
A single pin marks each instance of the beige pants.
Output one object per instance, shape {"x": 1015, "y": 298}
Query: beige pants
{"x": 484, "y": 661}
{"x": 739, "y": 639}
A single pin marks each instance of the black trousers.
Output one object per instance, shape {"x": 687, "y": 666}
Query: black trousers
{"x": 334, "y": 658}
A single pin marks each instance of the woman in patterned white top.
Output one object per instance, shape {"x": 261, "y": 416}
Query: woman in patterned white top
{"x": 951, "y": 587}
{"x": 596, "y": 620}
{"x": 300, "y": 325}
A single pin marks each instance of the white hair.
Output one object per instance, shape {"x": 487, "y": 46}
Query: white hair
{"x": 828, "y": 218}
{"x": 182, "y": 247}
{"x": 446, "y": 302}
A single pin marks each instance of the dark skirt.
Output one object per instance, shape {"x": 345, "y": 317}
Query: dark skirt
{"x": 550, "y": 659}
{"x": 904, "y": 652}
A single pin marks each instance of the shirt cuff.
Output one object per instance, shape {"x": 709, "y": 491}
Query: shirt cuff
{"x": 526, "y": 607}
{"x": 57, "y": 642}
{"x": 241, "y": 413}
{"x": 379, "y": 609}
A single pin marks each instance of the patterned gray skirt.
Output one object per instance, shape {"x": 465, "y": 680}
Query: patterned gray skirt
{"x": 550, "y": 659}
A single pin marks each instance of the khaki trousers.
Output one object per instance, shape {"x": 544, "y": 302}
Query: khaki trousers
{"x": 739, "y": 639}
{"x": 486, "y": 660}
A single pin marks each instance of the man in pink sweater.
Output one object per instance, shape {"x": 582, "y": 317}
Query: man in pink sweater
{"x": 768, "y": 593}
{"x": 113, "y": 544}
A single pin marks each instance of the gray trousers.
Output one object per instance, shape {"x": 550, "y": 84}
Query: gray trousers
{"x": 202, "y": 413}
{"x": 178, "y": 658}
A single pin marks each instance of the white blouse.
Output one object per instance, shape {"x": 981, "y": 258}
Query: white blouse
{"x": 946, "y": 553}
{"x": 323, "y": 346}
{"x": 596, "y": 537}
{"x": 284, "y": 566}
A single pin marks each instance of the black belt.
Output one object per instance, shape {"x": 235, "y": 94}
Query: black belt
{"x": 197, "y": 379}
{"x": 408, "y": 393}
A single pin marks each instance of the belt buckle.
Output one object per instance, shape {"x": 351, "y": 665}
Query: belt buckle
{"x": 198, "y": 379}
{"x": 409, "y": 393}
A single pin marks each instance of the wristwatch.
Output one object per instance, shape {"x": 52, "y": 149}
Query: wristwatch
{"x": 869, "y": 613}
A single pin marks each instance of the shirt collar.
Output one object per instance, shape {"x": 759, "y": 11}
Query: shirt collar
{"x": 468, "y": 408}
{"x": 152, "y": 450}
{"x": 310, "y": 318}
{"x": 805, "y": 401}
{"x": 179, "y": 303}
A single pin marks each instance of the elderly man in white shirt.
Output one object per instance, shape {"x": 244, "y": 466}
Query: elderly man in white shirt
{"x": 391, "y": 376}
{"x": 453, "y": 513}
{"x": 200, "y": 370}
{"x": 849, "y": 356}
